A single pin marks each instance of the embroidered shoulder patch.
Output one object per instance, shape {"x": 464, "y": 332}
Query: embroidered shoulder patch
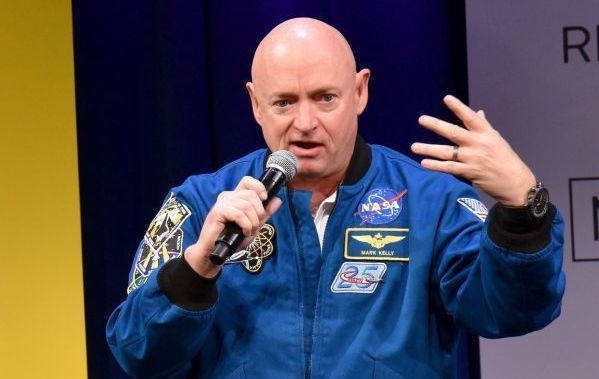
{"x": 162, "y": 242}
{"x": 358, "y": 277}
{"x": 262, "y": 247}
{"x": 474, "y": 206}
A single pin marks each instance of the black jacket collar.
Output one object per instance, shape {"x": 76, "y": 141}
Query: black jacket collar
{"x": 358, "y": 165}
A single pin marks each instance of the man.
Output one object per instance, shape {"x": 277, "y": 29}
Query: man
{"x": 366, "y": 265}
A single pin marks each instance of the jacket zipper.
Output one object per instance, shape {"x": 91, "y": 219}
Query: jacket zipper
{"x": 322, "y": 270}
{"x": 299, "y": 276}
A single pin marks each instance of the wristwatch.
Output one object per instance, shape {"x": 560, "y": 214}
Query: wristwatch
{"x": 538, "y": 200}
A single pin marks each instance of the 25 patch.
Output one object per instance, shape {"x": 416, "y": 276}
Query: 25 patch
{"x": 358, "y": 277}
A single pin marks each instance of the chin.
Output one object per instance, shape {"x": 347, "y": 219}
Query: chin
{"x": 309, "y": 174}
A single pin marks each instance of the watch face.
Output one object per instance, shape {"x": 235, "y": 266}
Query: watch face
{"x": 540, "y": 203}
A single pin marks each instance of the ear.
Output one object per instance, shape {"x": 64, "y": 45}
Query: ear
{"x": 362, "y": 78}
{"x": 254, "y": 100}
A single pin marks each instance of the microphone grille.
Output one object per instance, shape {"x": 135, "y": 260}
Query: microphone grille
{"x": 285, "y": 161}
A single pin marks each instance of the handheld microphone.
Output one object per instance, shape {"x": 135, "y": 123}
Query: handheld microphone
{"x": 281, "y": 167}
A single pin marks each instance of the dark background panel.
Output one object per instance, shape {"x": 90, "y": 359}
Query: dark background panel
{"x": 160, "y": 90}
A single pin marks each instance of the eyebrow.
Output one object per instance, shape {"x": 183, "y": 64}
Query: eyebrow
{"x": 326, "y": 89}
{"x": 288, "y": 95}
{"x": 282, "y": 95}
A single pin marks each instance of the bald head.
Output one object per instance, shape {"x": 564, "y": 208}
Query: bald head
{"x": 306, "y": 96}
{"x": 302, "y": 41}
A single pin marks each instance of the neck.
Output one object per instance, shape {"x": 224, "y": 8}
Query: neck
{"x": 321, "y": 189}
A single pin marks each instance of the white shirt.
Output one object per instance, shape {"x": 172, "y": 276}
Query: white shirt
{"x": 322, "y": 216}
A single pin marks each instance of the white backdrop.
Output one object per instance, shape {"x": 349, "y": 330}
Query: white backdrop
{"x": 549, "y": 111}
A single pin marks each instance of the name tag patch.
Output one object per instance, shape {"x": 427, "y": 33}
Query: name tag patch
{"x": 358, "y": 277}
{"x": 377, "y": 244}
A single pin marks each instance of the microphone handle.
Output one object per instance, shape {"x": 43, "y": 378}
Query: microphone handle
{"x": 232, "y": 236}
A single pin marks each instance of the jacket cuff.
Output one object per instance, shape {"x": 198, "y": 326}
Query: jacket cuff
{"x": 513, "y": 228}
{"x": 186, "y": 288}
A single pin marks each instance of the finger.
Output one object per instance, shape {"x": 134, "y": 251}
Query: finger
{"x": 445, "y": 129}
{"x": 235, "y": 215}
{"x": 249, "y": 183}
{"x": 449, "y": 167}
{"x": 253, "y": 213}
{"x": 481, "y": 113}
{"x": 445, "y": 152}
{"x": 471, "y": 120}
{"x": 246, "y": 201}
{"x": 211, "y": 230}
{"x": 251, "y": 197}
{"x": 250, "y": 205}
{"x": 215, "y": 222}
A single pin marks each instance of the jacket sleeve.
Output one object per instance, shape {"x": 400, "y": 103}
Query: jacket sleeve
{"x": 502, "y": 277}
{"x": 169, "y": 311}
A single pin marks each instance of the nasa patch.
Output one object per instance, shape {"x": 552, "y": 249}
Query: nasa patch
{"x": 358, "y": 277}
{"x": 475, "y": 207}
{"x": 380, "y": 206}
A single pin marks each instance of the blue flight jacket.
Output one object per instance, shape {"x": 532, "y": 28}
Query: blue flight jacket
{"x": 407, "y": 262}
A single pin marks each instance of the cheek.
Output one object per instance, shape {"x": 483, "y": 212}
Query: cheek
{"x": 273, "y": 130}
{"x": 339, "y": 124}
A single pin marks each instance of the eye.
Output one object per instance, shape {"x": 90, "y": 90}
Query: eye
{"x": 281, "y": 103}
{"x": 327, "y": 97}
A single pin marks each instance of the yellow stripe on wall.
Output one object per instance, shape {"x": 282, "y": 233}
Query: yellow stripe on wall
{"x": 42, "y": 329}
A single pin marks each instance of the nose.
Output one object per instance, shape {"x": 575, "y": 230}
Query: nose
{"x": 305, "y": 119}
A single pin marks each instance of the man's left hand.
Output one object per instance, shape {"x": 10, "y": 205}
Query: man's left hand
{"x": 479, "y": 155}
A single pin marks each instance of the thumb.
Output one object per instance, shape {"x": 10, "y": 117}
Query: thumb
{"x": 273, "y": 205}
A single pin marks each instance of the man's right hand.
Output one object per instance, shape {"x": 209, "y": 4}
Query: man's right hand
{"x": 242, "y": 206}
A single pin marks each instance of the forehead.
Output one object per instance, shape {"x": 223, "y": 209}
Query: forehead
{"x": 289, "y": 68}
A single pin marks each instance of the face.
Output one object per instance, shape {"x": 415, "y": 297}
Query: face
{"x": 308, "y": 103}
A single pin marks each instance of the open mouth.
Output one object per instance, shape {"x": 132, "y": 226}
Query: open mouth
{"x": 305, "y": 145}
